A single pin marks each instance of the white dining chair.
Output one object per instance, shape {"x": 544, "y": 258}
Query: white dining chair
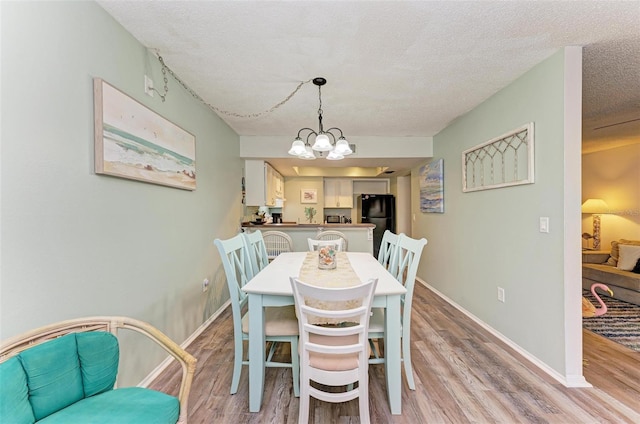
{"x": 387, "y": 253}
{"x": 334, "y": 355}
{"x": 257, "y": 250}
{"x": 407, "y": 254}
{"x": 333, "y": 235}
{"x": 313, "y": 244}
{"x": 281, "y": 323}
{"x": 277, "y": 242}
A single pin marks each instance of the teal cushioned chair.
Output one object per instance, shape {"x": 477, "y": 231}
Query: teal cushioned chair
{"x": 14, "y": 394}
{"x": 53, "y": 375}
{"x": 66, "y": 372}
{"x": 127, "y": 405}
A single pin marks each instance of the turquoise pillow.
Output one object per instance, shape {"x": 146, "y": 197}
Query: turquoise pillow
{"x": 99, "y": 355}
{"x": 53, "y": 375}
{"x": 14, "y": 395}
{"x": 128, "y": 405}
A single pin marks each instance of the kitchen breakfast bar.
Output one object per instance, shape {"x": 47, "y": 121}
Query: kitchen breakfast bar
{"x": 359, "y": 236}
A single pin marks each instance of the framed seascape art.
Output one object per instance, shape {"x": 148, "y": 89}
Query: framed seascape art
{"x": 132, "y": 141}
{"x": 309, "y": 195}
{"x": 432, "y": 187}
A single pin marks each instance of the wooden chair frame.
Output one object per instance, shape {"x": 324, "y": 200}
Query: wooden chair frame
{"x": 333, "y": 235}
{"x": 257, "y": 250}
{"x": 238, "y": 269}
{"x": 334, "y": 341}
{"x": 404, "y": 268}
{"x": 313, "y": 244}
{"x": 387, "y": 253}
{"x": 277, "y": 242}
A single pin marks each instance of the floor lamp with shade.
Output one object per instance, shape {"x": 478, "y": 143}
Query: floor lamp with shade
{"x": 595, "y": 207}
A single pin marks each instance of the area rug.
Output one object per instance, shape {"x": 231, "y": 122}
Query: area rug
{"x": 620, "y": 324}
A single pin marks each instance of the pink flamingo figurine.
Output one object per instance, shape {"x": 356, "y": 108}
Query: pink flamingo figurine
{"x": 588, "y": 310}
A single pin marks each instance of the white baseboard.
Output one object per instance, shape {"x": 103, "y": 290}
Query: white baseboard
{"x": 164, "y": 364}
{"x": 569, "y": 381}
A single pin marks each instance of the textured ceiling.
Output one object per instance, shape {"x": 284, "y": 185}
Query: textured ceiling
{"x": 393, "y": 68}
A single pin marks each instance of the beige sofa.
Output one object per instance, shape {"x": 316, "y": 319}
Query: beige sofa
{"x": 601, "y": 268}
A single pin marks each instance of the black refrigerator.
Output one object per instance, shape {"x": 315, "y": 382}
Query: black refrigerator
{"x": 378, "y": 209}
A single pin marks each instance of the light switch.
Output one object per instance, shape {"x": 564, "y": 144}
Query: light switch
{"x": 544, "y": 224}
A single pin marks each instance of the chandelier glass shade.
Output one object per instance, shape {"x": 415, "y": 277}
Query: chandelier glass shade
{"x": 323, "y": 140}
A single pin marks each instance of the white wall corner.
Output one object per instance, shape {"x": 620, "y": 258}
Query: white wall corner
{"x": 572, "y": 215}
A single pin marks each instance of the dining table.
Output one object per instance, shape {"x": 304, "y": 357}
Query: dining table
{"x": 272, "y": 287}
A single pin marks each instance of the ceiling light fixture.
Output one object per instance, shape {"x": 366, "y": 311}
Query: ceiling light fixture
{"x": 337, "y": 149}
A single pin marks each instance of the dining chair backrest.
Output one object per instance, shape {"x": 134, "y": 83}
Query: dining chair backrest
{"x": 404, "y": 268}
{"x": 408, "y": 253}
{"x": 313, "y": 244}
{"x": 277, "y": 242}
{"x": 333, "y": 355}
{"x": 387, "y": 253}
{"x": 257, "y": 250}
{"x": 238, "y": 269}
{"x": 281, "y": 324}
{"x": 333, "y": 235}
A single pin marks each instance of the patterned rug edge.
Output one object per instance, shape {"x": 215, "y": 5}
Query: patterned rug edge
{"x": 620, "y": 324}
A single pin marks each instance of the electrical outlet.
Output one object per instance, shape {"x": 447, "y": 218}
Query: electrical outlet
{"x": 148, "y": 86}
{"x": 501, "y": 294}
{"x": 205, "y": 285}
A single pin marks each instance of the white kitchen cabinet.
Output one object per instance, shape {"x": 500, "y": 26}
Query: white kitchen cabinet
{"x": 279, "y": 185}
{"x": 270, "y": 187}
{"x": 264, "y": 186}
{"x": 338, "y": 193}
{"x": 275, "y": 183}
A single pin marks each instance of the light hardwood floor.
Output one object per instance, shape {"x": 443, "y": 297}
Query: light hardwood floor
{"x": 463, "y": 374}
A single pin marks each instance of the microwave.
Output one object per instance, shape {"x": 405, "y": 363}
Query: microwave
{"x": 333, "y": 219}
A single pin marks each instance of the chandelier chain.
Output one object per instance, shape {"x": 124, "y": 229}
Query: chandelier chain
{"x": 166, "y": 69}
{"x": 163, "y": 96}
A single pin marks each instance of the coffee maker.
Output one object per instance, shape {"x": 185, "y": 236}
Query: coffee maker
{"x": 277, "y": 218}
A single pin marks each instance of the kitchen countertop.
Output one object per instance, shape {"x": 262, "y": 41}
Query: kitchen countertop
{"x": 306, "y": 226}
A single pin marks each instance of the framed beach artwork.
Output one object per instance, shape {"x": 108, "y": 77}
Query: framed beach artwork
{"x": 134, "y": 142}
{"x": 309, "y": 195}
{"x": 432, "y": 187}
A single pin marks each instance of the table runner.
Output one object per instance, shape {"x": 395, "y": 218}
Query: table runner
{"x": 342, "y": 276}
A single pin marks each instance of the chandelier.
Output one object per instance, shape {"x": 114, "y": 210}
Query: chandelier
{"x": 325, "y": 140}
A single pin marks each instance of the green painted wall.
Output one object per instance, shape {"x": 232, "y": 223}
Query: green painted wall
{"x": 490, "y": 238}
{"x": 75, "y": 243}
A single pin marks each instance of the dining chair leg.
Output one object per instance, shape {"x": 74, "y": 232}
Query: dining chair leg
{"x": 272, "y": 351}
{"x": 303, "y": 414}
{"x": 363, "y": 402}
{"x": 374, "y": 349}
{"x": 363, "y": 394}
{"x": 295, "y": 367}
{"x": 406, "y": 358}
{"x": 237, "y": 366}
